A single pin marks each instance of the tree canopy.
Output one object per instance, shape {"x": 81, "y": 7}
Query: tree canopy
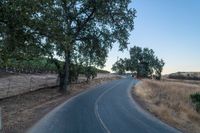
{"x": 75, "y": 31}
{"x": 119, "y": 66}
{"x": 143, "y": 61}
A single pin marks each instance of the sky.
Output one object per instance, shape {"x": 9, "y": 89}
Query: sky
{"x": 171, "y": 28}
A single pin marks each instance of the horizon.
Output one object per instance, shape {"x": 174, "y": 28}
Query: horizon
{"x": 170, "y": 28}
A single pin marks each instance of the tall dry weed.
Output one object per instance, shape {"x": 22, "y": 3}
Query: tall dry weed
{"x": 171, "y": 102}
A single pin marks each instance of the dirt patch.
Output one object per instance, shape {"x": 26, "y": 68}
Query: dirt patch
{"x": 170, "y": 102}
{"x": 21, "y": 112}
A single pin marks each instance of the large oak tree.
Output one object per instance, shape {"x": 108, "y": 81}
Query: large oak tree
{"x": 143, "y": 61}
{"x": 88, "y": 29}
{"x": 75, "y": 31}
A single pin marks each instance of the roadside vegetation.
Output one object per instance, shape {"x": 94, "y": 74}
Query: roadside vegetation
{"x": 143, "y": 63}
{"x": 185, "y": 75}
{"x": 196, "y": 100}
{"x": 45, "y": 65}
{"x": 170, "y": 98}
{"x": 72, "y": 38}
{"x": 21, "y": 112}
{"x": 67, "y": 37}
{"x": 175, "y": 102}
{"x": 72, "y": 31}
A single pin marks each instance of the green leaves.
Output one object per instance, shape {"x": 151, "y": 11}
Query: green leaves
{"x": 119, "y": 66}
{"x": 143, "y": 61}
{"x": 16, "y": 30}
{"x": 85, "y": 29}
{"x": 67, "y": 24}
{"x": 196, "y": 100}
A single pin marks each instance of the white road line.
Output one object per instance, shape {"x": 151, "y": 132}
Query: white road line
{"x": 96, "y": 108}
{"x": 56, "y": 109}
{"x": 146, "y": 113}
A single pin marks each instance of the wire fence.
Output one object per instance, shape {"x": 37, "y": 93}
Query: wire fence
{"x": 19, "y": 84}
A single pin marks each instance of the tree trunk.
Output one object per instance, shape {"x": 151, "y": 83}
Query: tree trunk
{"x": 64, "y": 74}
{"x": 138, "y": 73}
{"x": 159, "y": 76}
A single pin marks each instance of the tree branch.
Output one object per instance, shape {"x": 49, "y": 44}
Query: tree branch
{"x": 82, "y": 26}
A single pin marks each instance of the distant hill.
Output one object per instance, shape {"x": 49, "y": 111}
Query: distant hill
{"x": 185, "y": 75}
{"x": 102, "y": 71}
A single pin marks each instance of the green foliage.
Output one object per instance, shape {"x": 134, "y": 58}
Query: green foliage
{"x": 79, "y": 32}
{"x": 102, "y": 71}
{"x": 90, "y": 72}
{"x": 36, "y": 64}
{"x": 196, "y": 100}
{"x": 158, "y": 66}
{"x": 16, "y": 30}
{"x": 143, "y": 61}
{"x": 75, "y": 70}
{"x": 87, "y": 32}
{"x": 119, "y": 66}
{"x": 185, "y": 75}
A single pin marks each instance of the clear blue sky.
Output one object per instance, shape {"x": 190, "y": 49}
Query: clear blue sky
{"x": 171, "y": 28}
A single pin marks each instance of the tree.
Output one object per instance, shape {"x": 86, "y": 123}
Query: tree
{"x": 159, "y": 64}
{"x": 142, "y": 61}
{"x": 135, "y": 57}
{"x": 119, "y": 66}
{"x": 65, "y": 29}
{"x": 88, "y": 28}
{"x": 90, "y": 72}
{"x": 17, "y": 39}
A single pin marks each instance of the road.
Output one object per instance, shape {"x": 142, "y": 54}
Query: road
{"x": 107, "y": 108}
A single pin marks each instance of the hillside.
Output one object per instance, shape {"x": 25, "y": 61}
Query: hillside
{"x": 185, "y": 75}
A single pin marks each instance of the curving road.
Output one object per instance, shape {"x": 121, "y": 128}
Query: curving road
{"x": 106, "y": 108}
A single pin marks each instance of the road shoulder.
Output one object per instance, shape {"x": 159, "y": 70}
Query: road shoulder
{"x": 168, "y": 101}
{"x": 23, "y": 111}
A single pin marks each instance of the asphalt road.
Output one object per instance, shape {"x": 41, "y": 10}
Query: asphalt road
{"x": 107, "y": 108}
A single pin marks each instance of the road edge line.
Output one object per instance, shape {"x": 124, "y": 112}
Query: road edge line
{"x": 149, "y": 115}
{"x": 51, "y": 113}
{"x": 96, "y": 108}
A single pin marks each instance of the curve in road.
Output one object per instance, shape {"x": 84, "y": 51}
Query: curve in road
{"x": 107, "y": 108}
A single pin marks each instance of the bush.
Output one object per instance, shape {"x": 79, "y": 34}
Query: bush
{"x": 90, "y": 72}
{"x": 196, "y": 100}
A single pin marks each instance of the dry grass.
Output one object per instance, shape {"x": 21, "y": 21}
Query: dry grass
{"x": 197, "y": 82}
{"x": 170, "y": 102}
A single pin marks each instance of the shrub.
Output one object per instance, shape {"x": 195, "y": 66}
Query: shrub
{"x": 196, "y": 100}
{"x": 90, "y": 72}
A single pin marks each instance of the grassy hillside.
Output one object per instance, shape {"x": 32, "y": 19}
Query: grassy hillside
{"x": 171, "y": 102}
{"x": 185, "y": 75}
